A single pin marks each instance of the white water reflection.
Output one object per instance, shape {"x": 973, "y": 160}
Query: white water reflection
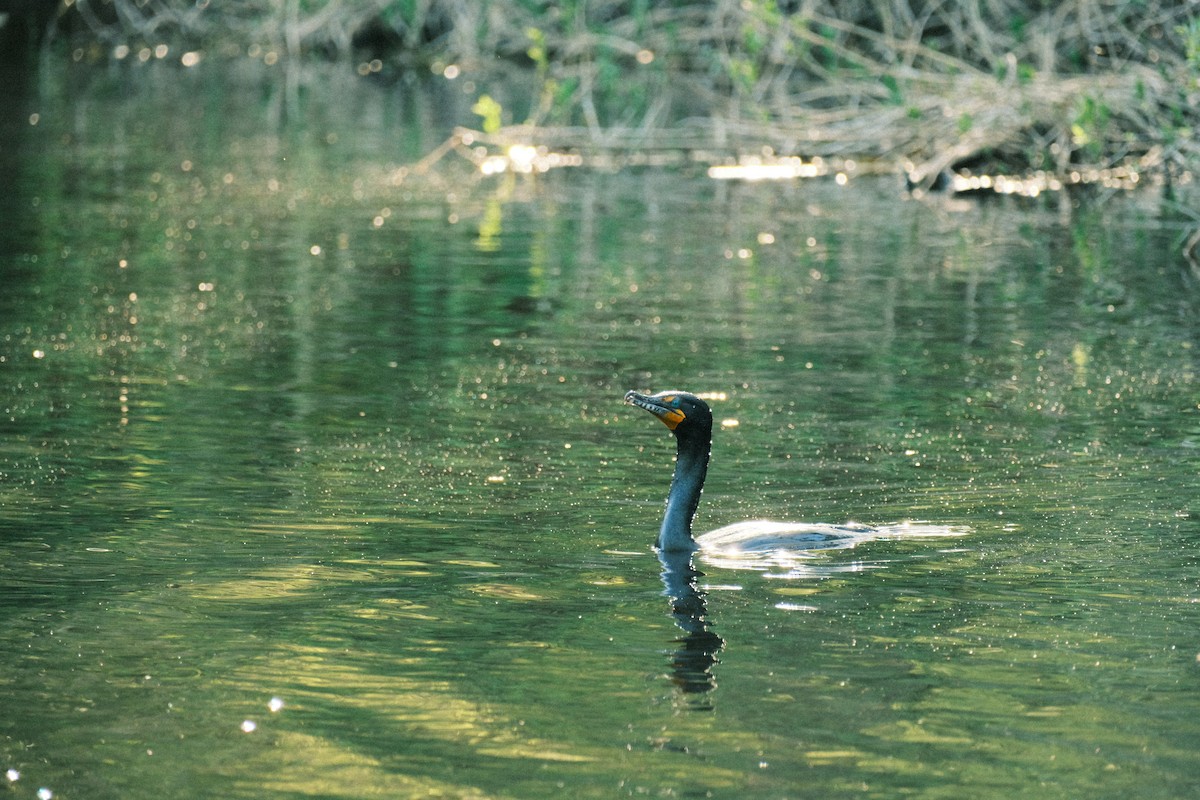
{"x": 798, "y": 551}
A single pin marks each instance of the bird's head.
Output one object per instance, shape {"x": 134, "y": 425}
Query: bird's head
{"x": 682, "y": 412}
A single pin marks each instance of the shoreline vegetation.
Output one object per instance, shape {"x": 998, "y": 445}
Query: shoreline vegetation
{"x": 1081, "y": 91}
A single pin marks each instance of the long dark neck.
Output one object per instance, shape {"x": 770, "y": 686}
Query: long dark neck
{"x": 691, "y": 465}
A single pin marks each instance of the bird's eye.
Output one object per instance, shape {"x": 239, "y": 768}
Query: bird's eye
{"x": 673, "y": 401}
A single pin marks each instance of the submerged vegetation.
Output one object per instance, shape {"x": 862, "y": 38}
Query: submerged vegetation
{"x": 1020, "y": 85}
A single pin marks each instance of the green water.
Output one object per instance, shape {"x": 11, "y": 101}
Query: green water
{"x": 275, "y": 426}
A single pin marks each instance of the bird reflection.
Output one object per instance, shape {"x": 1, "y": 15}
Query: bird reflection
{"x": 693, "y": 659}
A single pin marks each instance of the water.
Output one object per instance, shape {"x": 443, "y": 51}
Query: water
{"x": 279, "y": 432}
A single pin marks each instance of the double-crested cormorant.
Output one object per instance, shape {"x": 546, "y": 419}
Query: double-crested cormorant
{"x": 690, "y": 419}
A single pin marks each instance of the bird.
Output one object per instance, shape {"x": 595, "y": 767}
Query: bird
{"x": 690, "y": 419}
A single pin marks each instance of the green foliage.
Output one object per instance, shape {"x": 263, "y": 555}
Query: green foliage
{"x": 537, "y": 50}
{"x": 829, "y": 55}
{"x": 490, "y": 112}
{"x": 1089, "y": 130}
{"x": 890, "y": 83}
{"x": 1016, "y": 26}
{"x": 549, "y": 92}
{"x": 400, "y": 14}
{"x": 743, "y": 73}
{"x": 1191, "y": 44}
{"x": 1025, "y": 73}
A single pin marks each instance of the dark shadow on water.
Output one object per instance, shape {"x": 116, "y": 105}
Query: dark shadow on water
{"x": 696, "y": 653}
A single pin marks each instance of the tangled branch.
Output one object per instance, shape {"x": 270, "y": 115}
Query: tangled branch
{"x": 932, "y": 84}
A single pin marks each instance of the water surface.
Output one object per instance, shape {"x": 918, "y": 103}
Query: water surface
{"x": 279, "y": 426}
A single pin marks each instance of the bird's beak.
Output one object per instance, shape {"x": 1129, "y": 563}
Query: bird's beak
{"x": 671, "y": 417}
